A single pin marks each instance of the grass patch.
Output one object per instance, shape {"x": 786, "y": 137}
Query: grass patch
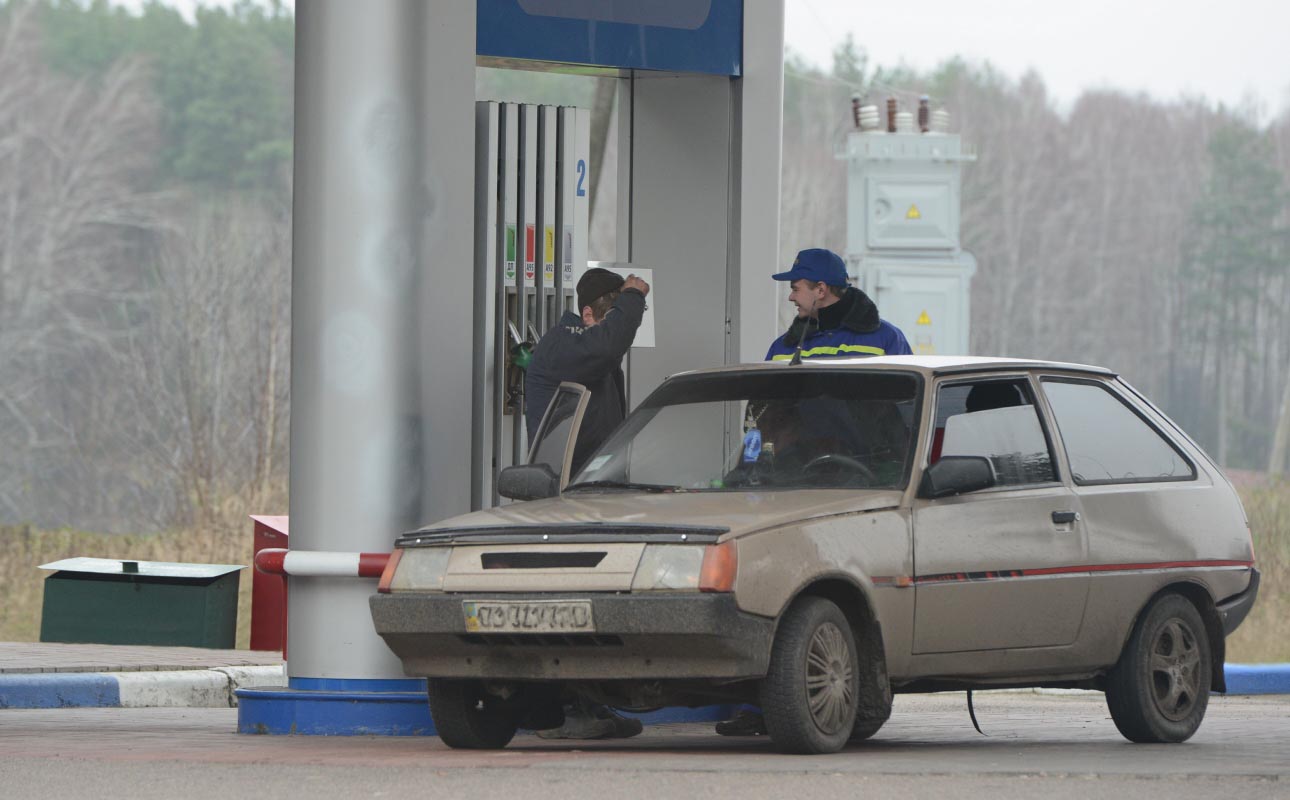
{"x": 1265, "y": 634}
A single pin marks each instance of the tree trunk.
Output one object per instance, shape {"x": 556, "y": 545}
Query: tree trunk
{"x": 1281, "y": 439}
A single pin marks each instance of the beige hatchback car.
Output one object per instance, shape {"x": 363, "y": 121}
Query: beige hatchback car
{"x": 812, "y": 538}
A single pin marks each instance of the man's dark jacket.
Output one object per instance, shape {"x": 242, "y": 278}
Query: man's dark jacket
{"x": 592, "y": 356}
{"x": 849, "y": 327}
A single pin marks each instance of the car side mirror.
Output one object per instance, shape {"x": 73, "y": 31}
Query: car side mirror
{"x": 528, "y": 482}
{"x": 953, "y": 475}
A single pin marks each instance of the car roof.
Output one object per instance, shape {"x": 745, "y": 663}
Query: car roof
{"x": 928, "y": 365}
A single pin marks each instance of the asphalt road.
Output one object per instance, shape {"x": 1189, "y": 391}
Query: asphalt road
{"x": 1037, "y": 745}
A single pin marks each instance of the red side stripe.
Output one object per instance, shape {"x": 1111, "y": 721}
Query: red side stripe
{"x": 1134, "y": 567}
{"x": 990, "y": 575}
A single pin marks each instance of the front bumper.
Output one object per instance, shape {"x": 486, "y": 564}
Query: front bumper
{"x": 643, "y": 636}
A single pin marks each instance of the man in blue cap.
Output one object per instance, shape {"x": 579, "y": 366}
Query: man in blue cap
{"x": 833, "y": 319}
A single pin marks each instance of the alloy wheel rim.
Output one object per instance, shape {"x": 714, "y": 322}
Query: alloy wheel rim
{"x": 829, "y": 671}
{"x": 1175, "y": 670}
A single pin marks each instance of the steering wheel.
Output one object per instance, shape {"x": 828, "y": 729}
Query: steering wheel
{"x": 842, "y": 461}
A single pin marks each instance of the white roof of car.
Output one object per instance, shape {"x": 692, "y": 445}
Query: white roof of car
{"x": 930, "y": 364}
{"x": 955, "y": 363}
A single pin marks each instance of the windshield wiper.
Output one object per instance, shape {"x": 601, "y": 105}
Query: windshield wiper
{"x": 643, "y": 487}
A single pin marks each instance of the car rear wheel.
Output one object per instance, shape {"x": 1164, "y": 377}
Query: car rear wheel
{"x": 467, "y": 717}
{"x": 1159, "y": 690}
{"x": 810, "y": 692}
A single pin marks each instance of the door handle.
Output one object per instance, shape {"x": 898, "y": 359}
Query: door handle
{"x": 1065, "y": 517}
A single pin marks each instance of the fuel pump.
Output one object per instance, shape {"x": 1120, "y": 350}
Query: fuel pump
{"x": 531, "y": 219}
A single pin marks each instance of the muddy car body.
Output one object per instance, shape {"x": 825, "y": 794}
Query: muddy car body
{"x": 812, "y": 538}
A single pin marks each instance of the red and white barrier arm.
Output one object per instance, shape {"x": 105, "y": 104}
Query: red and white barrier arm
{"x": 317, "y": 564}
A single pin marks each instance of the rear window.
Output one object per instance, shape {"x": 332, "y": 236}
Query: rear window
{"x": 1107, "y": 441}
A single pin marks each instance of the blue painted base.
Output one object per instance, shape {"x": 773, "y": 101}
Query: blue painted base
{"x": 1257, "y": 678}
{"x": 680, "y": 714}
{"x": 337, "y": 707}
{"x": 341, "y": 707}
{"x": 59, "y": 690}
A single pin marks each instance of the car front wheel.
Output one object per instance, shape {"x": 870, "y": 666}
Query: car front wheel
{"x": 810, "y": 692}
{"x": 1159, "y": 690}
{"x": 467, "y": 717}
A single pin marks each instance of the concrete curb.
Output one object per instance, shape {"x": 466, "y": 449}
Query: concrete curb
{"x": 215, "y": 688}
{"x": 1258, "y": 678}
{"x": 190, "y": 688}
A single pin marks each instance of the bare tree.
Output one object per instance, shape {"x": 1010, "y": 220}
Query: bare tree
{"x": 143, "y": 334}
{"x": 213, "y": 349}
{"x": 77, "y": 216}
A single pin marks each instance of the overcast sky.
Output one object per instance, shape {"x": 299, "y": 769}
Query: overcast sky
{"x": 1226, "y": 50}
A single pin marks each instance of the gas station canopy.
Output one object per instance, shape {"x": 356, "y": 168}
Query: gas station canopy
{"x": 697, "y": 36}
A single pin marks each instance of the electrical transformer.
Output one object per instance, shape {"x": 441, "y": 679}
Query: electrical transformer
{"x": 903, "y": 247}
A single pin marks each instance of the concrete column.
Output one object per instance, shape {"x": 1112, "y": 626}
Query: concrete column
{"x": 381, "y": 300}
{"x": 703, "y": 210}
{"x": 680, "y": 219}
{"x": 755, "y": 188}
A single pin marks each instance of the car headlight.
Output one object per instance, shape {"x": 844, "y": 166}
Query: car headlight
{"x": 668, "y": 567}
{"x": 420, "y": 569}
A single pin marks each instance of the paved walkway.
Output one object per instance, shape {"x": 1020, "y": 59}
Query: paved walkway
{"x": 1055, "y": 747}
{"x": 32, "y": 657}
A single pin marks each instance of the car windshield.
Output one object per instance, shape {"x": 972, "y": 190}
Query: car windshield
{"x": 799, "y": 429}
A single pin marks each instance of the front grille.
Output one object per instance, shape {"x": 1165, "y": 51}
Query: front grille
{"x": 542, "y": 640}
{"x": 541, "y": 560}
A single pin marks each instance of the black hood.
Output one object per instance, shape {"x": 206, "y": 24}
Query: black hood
{"x": 854, "y": 311}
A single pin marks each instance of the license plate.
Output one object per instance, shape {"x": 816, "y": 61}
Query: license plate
{"x": 546, "y": 616}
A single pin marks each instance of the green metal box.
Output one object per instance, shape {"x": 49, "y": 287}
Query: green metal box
{"x": 140, "y": 602}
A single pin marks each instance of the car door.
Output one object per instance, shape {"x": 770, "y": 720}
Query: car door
{"x": 1143, "y": 498}
{"x": 558, "y": 431}
{"x": 998, "y": 568}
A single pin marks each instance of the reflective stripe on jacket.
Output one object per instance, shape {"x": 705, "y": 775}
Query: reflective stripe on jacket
{"x": 850, "y": 327}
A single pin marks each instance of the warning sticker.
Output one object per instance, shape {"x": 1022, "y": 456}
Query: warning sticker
{"x": 923, "y": 319}
{"x": 548, "y": 256}
{"x": 530, "y": 257}
{"x": 913, "y": 212}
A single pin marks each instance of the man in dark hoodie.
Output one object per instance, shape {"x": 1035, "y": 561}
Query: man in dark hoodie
{"x": 833, "y": 320}
{"x": 588, "y": 348}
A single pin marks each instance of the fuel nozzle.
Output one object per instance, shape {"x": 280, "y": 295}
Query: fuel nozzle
{"x": 521, "y": 350}
{"x": 522, "y": 354}
{"x": 518, "y": 357}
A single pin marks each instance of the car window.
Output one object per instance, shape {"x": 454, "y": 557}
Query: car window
{"x": 996, "y": 419}
{"x": 555, "y": 430}
{"x": 1106, "y": 441}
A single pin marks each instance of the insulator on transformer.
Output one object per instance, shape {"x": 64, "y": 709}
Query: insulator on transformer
{"x": 870, "y": 119}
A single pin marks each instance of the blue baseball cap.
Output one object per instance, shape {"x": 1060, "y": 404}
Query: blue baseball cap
{"x": 816, "y": 264}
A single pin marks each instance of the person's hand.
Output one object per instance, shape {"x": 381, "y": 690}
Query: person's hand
{"x": 636, "y": 283}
